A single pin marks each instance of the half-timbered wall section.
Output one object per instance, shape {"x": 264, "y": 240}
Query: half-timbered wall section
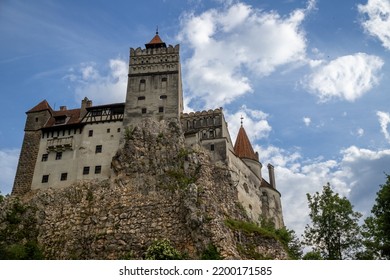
{"x": 78, "y": 144}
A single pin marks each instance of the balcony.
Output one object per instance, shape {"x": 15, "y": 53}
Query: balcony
{"x": 60, "y": 144}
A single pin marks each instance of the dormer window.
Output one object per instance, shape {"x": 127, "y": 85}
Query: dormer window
{"x": 60, "y": 120}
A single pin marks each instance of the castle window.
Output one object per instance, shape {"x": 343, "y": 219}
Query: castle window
{"x": 90, "y": 133}
{"x": 108, "y": 130}
{"x": 142, "y": 85}
{"x": 143, "y": 110}
{"x": 98, "y": 149}
{"x": 36, "y": 119}
{"x": 45, "y": 178}
{"x": 161, "y": 109}
{"x": 60, "y": 120}
{"x": 163, "y": 96}
{"x": 98, "y": 169}
{"x": 211, "y": 133}
{"x": 45, "y": 157}
{"x": 141, "y": 97}
{"x": 86, "y": 170}
{"x": 58, "y": 155}
{"x": 119, "y": 129}
{"x": 64, "y": 176}
{"x": 212, "y": 147}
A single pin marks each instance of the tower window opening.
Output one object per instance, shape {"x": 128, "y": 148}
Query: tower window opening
{"x": 143, "y": 110}
{"x": 161, "y": 109}
{"x": 163, "y": 96}
{"x": 86, "y": 170}
{"x": 141, "y": 97}
{"x": 58, "y": 155}
{"x": 98, "y": 169}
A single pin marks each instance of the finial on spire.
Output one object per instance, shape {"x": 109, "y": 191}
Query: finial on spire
{"x": 241, "y": 119}
{"x": 157, "y": 30}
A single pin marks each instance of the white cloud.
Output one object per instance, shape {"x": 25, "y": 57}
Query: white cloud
{"x": 384, "y": 120}
{"x": 254, "y": 121}
{"x": 101, "y": 88}
{"x": 360, "y": 132}
{"x": 357, "y": 175}
{"x": 226, "y": 43}
{"x": 306, "y": 121}
{"x": 377, "y": 22}
{"x": 8, "y": 163}
{"x": 347, "y": 77}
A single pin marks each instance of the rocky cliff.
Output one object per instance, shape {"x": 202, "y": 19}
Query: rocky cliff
{"x": 158, "y": 190}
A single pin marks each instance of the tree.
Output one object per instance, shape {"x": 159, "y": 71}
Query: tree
{"x": 335, "y": 232}
{"x": 376, "y": 228}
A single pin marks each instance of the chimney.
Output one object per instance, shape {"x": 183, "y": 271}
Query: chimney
{"x": 271, "y": 175}
{"x": 85, "y": 103}
{"x": 63, "y": 108}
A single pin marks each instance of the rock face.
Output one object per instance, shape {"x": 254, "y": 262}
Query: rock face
{"x": 158, "y": 190}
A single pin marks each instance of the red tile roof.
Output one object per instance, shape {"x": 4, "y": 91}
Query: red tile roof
{"x": 42, "y": 106}
{"x": 72, "y": 115}
{"x": 156, "y": 42}
{"x": 243, "y": 147}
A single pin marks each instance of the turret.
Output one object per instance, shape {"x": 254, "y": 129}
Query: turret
{"x": 243, "y": 149}
{"x": 154, "y": 87}
{"x": 37, "y": 118}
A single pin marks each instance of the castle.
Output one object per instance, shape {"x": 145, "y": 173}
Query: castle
{"x": 61, "y": 147}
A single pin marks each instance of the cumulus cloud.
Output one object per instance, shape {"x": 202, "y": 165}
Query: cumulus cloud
{"x": 357, "y": 175}
{"x": 254, "y": 121}
{"x": 102, "y": 88}
{"x": 306, "y": 121}
{"x": 377, "y": 20}
{"x": 8, "y": 163}
{"x": 384, "y": 120}
{"x": 232, "y": 43}
{"x": 347, "y": 77}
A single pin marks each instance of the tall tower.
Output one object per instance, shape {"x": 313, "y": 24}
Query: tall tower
{"x": 154, "y": 86}
{"x": 37, "y": 117}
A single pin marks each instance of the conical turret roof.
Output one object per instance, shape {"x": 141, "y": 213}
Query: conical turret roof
{"x": 156, "y": 42}
{"x": 243, "y": 147}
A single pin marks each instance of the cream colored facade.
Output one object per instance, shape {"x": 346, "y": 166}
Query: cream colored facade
{"x": 79, "y": 144}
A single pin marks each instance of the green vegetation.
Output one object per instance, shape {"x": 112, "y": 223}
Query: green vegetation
{"x": 211, "y": 253}
{"x": 162, "y": 250}
{"x": 18, "y": 233}
{"x": 267, "y": 229}
{"x": 335, "y": 232}
{"x": 376, "y": 228}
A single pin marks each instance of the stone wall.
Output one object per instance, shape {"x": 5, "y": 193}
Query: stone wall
{"x": 159, "y": 190}
{"x": 27, "y": 160}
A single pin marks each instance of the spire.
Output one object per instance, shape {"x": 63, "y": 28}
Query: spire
{"x": 243, "y": 147}
{"x": 156, "y": 42}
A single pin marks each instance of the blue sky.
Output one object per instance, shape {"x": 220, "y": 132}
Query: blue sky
{"x": 309, "y": 77}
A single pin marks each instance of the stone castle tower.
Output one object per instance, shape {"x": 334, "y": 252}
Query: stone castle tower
{"x": 154, "y": 86}
{"x": 67, "y": 146}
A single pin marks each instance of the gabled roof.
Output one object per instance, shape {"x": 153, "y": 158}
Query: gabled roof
{"x": 156, "y": 42}
{"x": 243, "y": 147}
{"x": 42, "y": 106}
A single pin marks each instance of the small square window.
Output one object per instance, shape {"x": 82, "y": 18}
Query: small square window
{"x": 108, "y": 130}
{"x": 45, "y": 157}
{"x": 58, "y": 155}
{"x": 98, "y": 169}
{"x": 141, "y": 97}
{"x": 86, "y": 170}
{"x": 161, "y": 109}
{"x": 64, "y": 176}
{"x": 119, "y": 129}
{"x": 98, "y": 149}
{"x": 90, "y": 133}
{"x": 143, "y": 110}
{"x": 163, "y": 97}
{"x": 212, "y": 147}
{"x": 45, "y": 178}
